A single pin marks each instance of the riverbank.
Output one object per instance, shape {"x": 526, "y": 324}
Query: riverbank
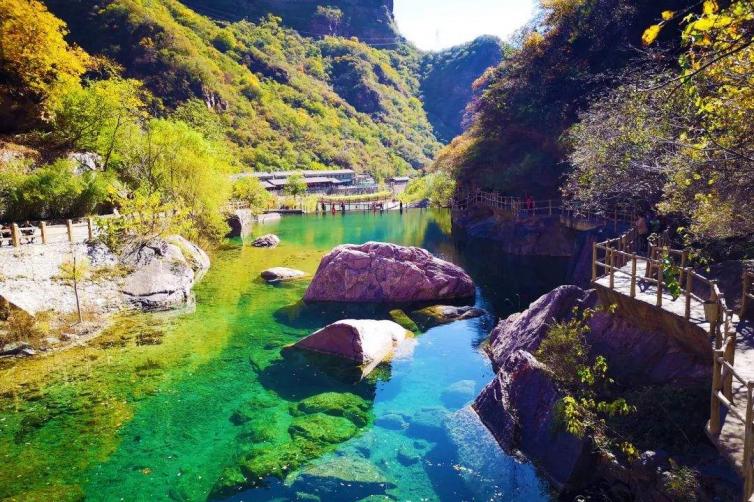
{"x": 59, "y": 294}
{"x": 194, "y": 393}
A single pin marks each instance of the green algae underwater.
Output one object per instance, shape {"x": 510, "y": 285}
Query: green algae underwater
{"x": 208, "y": 403}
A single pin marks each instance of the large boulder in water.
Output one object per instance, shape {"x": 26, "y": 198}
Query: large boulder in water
{"x": 519, "y": 408}
{"x": 164, "y": 272}
{"x": 382, "y": 272}
{"x": 365, "y": 342}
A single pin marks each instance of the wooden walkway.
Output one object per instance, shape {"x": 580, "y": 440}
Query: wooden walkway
{"x": 701, "y": 305}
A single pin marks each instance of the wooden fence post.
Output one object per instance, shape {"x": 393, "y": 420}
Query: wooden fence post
{"x": 594, "y": 261}
{"x": 659, "y": 286}
{"x": 612, "y": 268}
{"x": 714, "y": 414}
{"x": 730, "y": 351}
{"x": 745, "y": 297}
{"x": 713, "y": 325}
{"x": 90, "y": 228}
{"x": 43, "y": 231}
{"x": 689, "y": 288}
{"x": 748, "y": 440}
{"x": 69, "y": 226}
{"x": 633, "y": 275}
{"x": 15, "y": 235}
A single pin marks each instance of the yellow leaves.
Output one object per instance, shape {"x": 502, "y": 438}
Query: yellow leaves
{"x": 651, "y": 34}
{"x": 710, "y": 7}
{"x": 667, "y": 15}
{"x": 35, "y": 52}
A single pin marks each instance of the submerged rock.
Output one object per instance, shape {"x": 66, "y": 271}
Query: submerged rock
{"x": 400, "y": 317}
{"x": 382, "y": 272}
{"x": 280, "y": 274}
{"x": 458, "y": 394}
{"x": 338, "y": 404}
{"x": 342, "y": 479}
{"x": 365, "y": 342}
{"x": 164, "y": 272}
{"x": 437, "y": 315}
{"x": 266, "y": 241}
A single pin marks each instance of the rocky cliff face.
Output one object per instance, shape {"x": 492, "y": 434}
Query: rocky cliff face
{"x": 518, "y": 406}
{"x": 370, "y": 21}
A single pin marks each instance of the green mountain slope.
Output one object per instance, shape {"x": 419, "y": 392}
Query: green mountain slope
{"x": 284, "y": 101}
{"x": 447, "y": 80}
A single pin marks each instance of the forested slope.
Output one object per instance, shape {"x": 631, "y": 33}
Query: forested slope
{"x": 516, "y": 142}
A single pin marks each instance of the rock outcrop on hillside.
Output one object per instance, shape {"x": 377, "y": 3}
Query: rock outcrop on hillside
{"x": 383, "y": 272}
{"x": 518, "y": 405}
{"x": 371, "y": 21}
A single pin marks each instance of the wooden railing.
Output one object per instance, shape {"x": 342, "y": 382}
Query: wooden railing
{"x": 611, "y": 258}
{"x": 520, "y": 208}
{"x": 50, "y": 231}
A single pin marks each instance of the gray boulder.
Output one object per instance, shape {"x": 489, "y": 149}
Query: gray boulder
{"x": 266, "y": 241}
{"x": 365, "y": 342}
{"x": 165, "y": 270}
{"x": 280, "y": 274}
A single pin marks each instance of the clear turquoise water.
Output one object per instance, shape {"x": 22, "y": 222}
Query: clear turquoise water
{"x": 150, "y": 411}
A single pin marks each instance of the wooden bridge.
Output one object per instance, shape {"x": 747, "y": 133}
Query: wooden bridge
{"x": 663, "y": 280}
{"x": 571, "y": 214}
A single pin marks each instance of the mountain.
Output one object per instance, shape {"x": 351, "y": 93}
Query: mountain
{"x": 447, "y": 78}
{"x": 516, "y": 141}
{"x": 283, "y": 100}
{"x": 371, "y": 21}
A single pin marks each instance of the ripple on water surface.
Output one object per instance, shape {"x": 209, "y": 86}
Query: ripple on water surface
{"x": 198, "y": 405}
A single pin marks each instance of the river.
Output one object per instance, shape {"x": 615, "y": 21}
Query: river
{"x": 182, "y": 406}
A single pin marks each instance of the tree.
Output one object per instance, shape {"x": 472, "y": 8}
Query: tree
{"x": 37, "y": 65}
{"x": 250, "y": 190}
{"x": 295, "y": 185}
{"x": 73, "y": 272}
{"x": 100, "y": 116}
{"x": 189, "y": 172}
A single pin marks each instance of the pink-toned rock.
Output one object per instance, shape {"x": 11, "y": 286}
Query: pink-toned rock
{"x": 382, "y": 272}
{"x": 518, "y": 407}
{"x": 634, "y": 355}
{"x": 366, "y": 342}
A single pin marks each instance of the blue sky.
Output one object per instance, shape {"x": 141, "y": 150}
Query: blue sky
{"x": 437, "y": 24}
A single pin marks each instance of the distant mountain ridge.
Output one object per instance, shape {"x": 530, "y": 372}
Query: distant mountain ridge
{"x": 371, "y": 21}
{"x": 447, "y": 78}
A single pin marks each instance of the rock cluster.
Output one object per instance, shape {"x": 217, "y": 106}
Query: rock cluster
{"x": 382, "y": 272}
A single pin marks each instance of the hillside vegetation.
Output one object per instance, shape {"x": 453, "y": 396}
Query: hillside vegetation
{"x": 283, "y": 101}
{"x": 515, "y": 142}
